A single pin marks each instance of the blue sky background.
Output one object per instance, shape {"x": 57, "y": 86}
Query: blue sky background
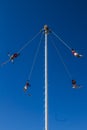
{"x": 20, "y": 20}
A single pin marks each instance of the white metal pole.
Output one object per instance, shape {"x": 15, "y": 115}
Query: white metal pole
{"x": 46, "y": 78}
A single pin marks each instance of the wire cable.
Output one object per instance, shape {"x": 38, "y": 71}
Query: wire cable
{"x": 61, "y": 58}
{"x": 33, "y": 64}
{"x": 4, "y": 63}
{"x": 61, "y": 40}
{"x": 29, "y": 42}
{"x": 22, "y": 47}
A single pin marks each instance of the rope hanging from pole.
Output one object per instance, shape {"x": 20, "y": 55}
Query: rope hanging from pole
{"x": 29, "y": 42}
{"x": 33, "y": 64}
{"x": 61, "y": 41}
{"x": 61, "y": 58}
{"x": 13, "y": 56}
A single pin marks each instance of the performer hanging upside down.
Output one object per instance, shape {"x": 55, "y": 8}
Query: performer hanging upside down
{"x": 74, "y": 85}
{"x": 27, "y": 85}
{"x": 12, "y": 57}
{"x": 76, "y": 54}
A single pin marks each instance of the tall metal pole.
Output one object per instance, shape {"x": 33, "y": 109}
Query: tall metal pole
{"x": 46, "y": 78}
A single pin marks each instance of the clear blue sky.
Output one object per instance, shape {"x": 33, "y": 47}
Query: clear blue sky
{"x": 20, "y": 20}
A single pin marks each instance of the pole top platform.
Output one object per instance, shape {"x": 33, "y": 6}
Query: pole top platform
{"x": 46, "y": 29}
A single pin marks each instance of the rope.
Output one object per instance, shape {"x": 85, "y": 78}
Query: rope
{"x": 61, "y": 40}
{"x": 35, "y": 58}
{"x": 5, "y": 62}
{"x": 28, "y": 42}
{"x": 61, "y": 58}
{"x": 22, "y": 48}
